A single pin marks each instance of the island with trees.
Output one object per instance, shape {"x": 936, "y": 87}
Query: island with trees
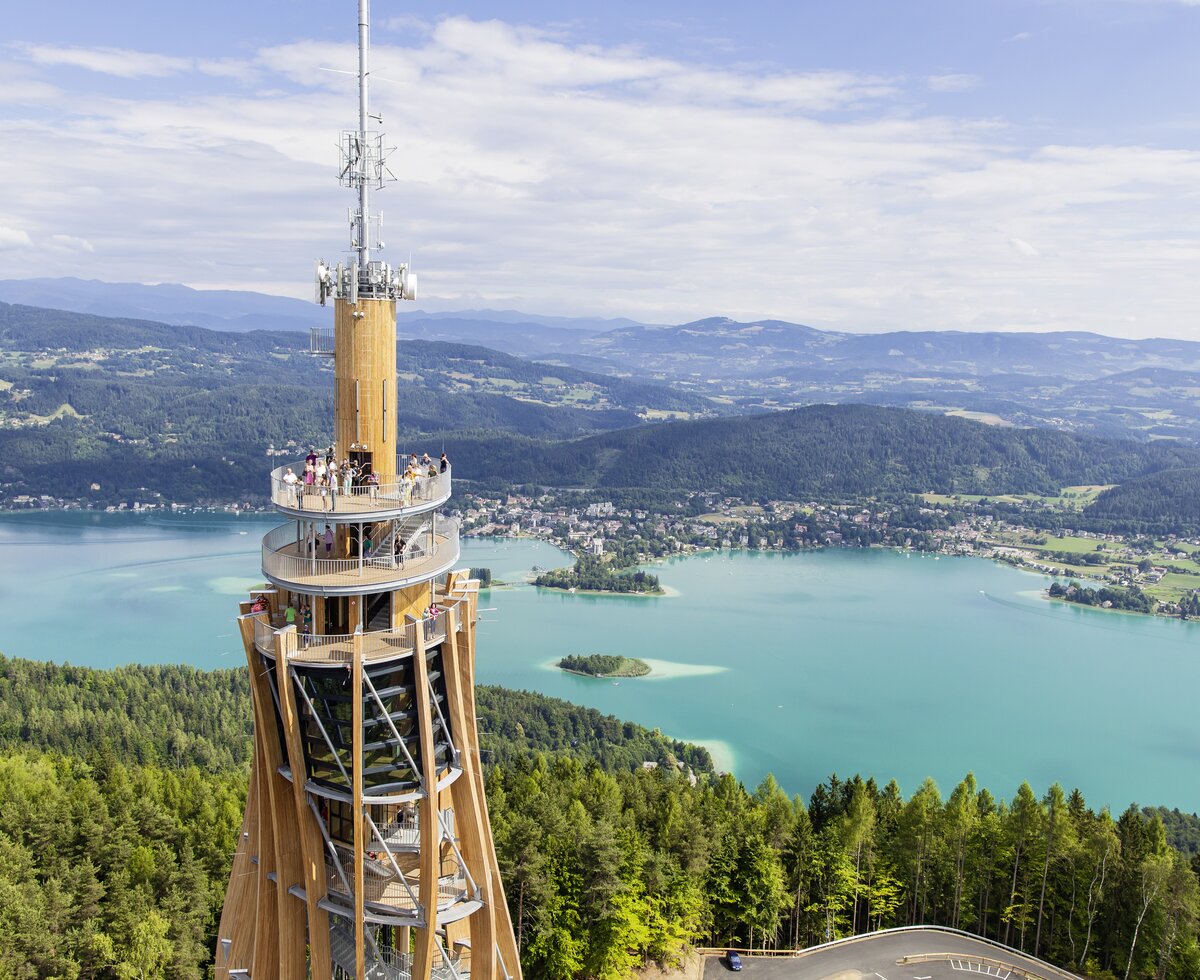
{"x": 604, "y": 665}
{"x": 591, "y": 574}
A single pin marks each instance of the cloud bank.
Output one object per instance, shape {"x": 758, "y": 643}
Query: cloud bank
{"x": 558, "y": 177}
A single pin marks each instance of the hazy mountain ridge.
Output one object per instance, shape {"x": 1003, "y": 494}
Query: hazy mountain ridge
{"x": 1073, "y": 381}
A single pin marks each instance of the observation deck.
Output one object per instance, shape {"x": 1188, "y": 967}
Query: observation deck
{"x": 377, "y": 503}
{"x": 289, "y": 564}
{"x": 337, "y": 649}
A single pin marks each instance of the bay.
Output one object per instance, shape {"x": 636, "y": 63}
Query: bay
{"x": 874, "y": 662}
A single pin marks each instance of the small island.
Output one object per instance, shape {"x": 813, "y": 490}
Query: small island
{"x": 590, "y": 574}
{"x": 604, "y": 665}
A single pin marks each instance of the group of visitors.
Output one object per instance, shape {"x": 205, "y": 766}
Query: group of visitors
{"x": 326, "y": 477}
{"x": 430, "y": 618}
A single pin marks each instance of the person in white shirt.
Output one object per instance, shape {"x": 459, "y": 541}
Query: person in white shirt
{"x": 291, "y": 480}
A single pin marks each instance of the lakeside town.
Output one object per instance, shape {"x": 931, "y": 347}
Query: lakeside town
{"x": 1163, "y": 571}
{"x": 619, "y": 531}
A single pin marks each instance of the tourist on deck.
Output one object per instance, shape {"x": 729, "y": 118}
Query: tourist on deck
{"x": 306, "y": 619}
{"x": 406, "y": 488}
{"x": 348, "y": 475}
{"x": 328, "y": 540}
{"x": 311, "y": 458}
{"x": 310, "y": 479}
{"x": 431, "y": 615}
{"x": 333, "y": 484}
{"x": 289, "y": 614}
{"x": 412, "y": 460}
{"x": 373, "y": 485}
{"x": 260, "y": 604}
{"x": 443, "y": 463}
{"x": 398, "y": 552}
{"x": 290, "y": 481}
{"x": 425, "y": 460}
{"x": 310, "y": 542}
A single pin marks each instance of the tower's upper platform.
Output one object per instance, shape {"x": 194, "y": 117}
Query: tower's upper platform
{"x": 395, "y": 498}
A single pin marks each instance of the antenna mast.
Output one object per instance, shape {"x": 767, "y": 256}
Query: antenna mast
{"x": 364, "y": 190}
{"x": 363, "y": 166}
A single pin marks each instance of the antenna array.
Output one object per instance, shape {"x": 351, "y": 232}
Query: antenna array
{"x": 363, "y": 168}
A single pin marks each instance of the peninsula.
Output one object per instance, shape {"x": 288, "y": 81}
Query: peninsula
{"x": 592, "y": 574}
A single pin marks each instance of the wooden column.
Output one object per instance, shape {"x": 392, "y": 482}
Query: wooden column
{"x": 468, "y": 811}
{"x": 365, "y": 381}
{"x": 284, "y": 858}
{"x": 237, "y": 915}
{"x": 505, "y": 937}
{"x": 429, "y": 858}
{"x": 312, "y": 845}
{"x": 266, "y": 925}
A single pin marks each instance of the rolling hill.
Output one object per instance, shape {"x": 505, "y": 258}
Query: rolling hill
{"x": 835, "y": 451}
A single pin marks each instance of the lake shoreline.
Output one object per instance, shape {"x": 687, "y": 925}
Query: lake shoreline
{"x": 800, "y": 663}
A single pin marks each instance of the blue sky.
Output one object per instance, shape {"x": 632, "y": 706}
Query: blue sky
{"x": 862, "y": 165}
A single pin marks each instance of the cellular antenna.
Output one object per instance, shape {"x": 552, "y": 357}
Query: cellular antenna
{"x": 363, "y": 167}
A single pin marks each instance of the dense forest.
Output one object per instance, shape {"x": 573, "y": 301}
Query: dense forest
{"x": 591, "y": 574}
{"x": 116, "y": 868}
{"x": 838, "y": 451}
{"x": 1158, "y": 503}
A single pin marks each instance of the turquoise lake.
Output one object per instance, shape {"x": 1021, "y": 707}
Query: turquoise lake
{"x": 841, "y": 661}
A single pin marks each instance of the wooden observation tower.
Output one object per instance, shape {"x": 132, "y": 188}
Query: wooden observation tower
{"x": 365, "y": 849}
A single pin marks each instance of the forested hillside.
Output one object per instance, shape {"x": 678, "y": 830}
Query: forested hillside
{"x": 1156, "y": 503}
{"x": 842, "y": 450}
{"x": 114, "y": 868}
{"x": 190, "y": 413}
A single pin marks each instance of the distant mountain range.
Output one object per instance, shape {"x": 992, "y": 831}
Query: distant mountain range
{"x": 188, "y": 412}
{"x": 1073, "y": 381}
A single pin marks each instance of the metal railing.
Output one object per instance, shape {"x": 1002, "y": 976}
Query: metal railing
{"x": 396, "y": 495}
{"x": 339, "y": 647}
{"x": 435, "y": 627}
{"x": 451, "y": 890}
{"x": 383, "y": 886}
{"x": 403, "y": 830}
{"x": 286, "y": 559}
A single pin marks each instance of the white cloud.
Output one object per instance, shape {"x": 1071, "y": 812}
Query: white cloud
{"x": 557, "y": 177}
{"x": 11, "y": 238}
{"x": 69, "y": 243}
{"x": 108, "y": 61}
{"x": 951, "y": 83}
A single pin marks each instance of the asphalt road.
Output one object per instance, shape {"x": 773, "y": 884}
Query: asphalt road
{"x": 874, "y": 958}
